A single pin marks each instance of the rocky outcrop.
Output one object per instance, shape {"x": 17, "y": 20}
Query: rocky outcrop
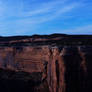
{"x": 46, "y": 68}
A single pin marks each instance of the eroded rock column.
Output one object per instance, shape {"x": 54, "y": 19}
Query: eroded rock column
{"x": 56, "y": 71}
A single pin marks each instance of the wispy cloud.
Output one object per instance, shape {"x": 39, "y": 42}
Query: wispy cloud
{"x": 48, "y": 12}
{"x": 87, "y": 29}
{"x": 44, "y": 8}
{"x": 2, "y": 9}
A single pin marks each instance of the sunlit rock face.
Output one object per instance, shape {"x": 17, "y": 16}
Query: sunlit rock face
{"x": 46, "y": 68}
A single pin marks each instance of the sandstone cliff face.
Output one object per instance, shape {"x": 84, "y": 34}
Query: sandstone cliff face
{"x": 65, "y": 68}
{"x": 45, "y": 65}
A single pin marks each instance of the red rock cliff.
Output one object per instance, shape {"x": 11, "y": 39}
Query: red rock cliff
{"x": 62, "y": 68}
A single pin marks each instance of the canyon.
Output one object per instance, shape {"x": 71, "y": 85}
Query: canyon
{"x": 47, "y": 63}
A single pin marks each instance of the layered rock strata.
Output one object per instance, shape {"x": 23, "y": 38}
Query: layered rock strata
{"x": 66, "y": 69}
{"x": 56, "y": 63}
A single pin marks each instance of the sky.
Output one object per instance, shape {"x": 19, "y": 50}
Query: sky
{"x": 28, "y": 17}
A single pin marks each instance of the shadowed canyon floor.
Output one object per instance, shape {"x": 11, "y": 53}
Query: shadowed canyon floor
{"x": 54, "y": 63}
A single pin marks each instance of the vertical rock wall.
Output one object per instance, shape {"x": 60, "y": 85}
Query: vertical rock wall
{"x": 65, "y": 69}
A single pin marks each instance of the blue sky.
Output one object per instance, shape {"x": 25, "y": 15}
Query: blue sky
{"x": 27, "y": 17}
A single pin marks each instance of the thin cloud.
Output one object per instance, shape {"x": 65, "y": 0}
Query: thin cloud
{"x": 87, "y": 29}
{"x": 59, "y": 12}
{"x": 2, "y": 9}
{"x": 44, "y": 8}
